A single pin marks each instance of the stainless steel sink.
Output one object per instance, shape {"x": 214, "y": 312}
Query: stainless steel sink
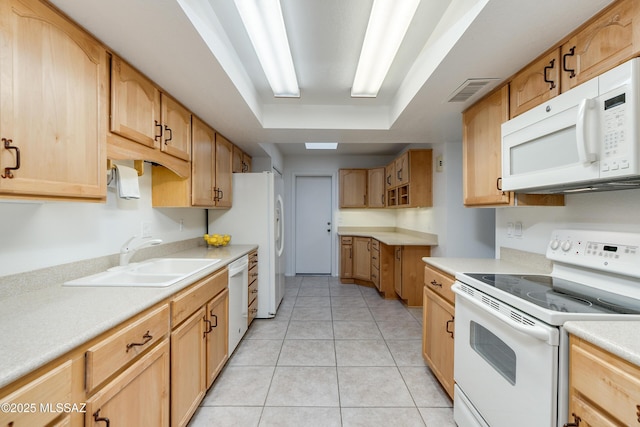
{"x": 157, "y": 272}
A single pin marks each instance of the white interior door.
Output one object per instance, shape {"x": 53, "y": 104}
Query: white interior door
{"x": 313, "y": 224}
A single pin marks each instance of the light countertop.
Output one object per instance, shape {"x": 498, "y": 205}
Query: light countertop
{"x": 621, "y": 338}
{"x": 393, "y": 238}
{"x": 453, "y": 266}
{"x": 39, "y": 326}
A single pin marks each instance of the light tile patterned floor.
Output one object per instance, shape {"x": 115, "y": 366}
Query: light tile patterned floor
{"x": 335, "y": 355}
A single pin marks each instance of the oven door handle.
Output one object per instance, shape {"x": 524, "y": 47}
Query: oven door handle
{"x": 534, "y": 331}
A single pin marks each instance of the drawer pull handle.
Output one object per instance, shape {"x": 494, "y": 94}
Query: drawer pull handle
{"x": 97, "y": 418}
{"x": 575, "y": 423}
{"x": 147, "y": 337}
{"x": 436, "y": 284}
{"x": 254, "y": 310}
{"x": 638, "y": 412}
{"x": 255, "y": 291}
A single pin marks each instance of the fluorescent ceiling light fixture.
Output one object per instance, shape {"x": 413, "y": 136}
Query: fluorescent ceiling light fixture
{"x": 265, "y": 26}
{"x": 321, "y": 145}
{"x": 388, "y": 24}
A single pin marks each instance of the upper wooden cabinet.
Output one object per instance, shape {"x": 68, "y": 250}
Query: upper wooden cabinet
{"x": 157, "y": 124}
{"x": 241, "y": 161}
{"x": 535, "y": 84}
{"x": 176, "y": 132}
{"x": 412, "y": 185}
{"x": 375, "y": 188}
{"x": 604, "y": 42}
{"x": 209, "y": 184}
{"x": 53, "y": 102}
{"x": 135, "y": 105}
{"x": 481, "y": 150}
{"x": 353, "y": 188}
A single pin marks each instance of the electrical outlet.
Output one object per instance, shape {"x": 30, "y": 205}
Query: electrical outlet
{"x": 439, "y": 163}
{"x": 510, "y": 229}
{"x": 517, "y": 229}
{"x": 145, "y": 229}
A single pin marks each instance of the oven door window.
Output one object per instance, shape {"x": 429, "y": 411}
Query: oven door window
{"x": 495, "y": 351}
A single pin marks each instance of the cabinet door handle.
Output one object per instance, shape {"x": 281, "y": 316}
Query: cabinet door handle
{"x": 97, "y": 418}
{"x": 168, "y": 129}
{"x": 146, "y": 338}
{"x": 220, "y": 194}
{"x": 572, "y": 72}
{"x": 551, "y": 66}
{"x": 159, "y": 126}
{"x": 575, "y": 423}
{"x": 499, "y": 183}
{"x": 436, "y": 284}
{"x": 383, "y": 199}
{"x": 447, "y": 327}
{"x": 215, "y": 317}
{"x": 8, "y": 146}
{"x": 388, "y": 179}
{"x": 209, "y": 327}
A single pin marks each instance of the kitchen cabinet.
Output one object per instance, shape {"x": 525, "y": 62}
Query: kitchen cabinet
{"x": 482, "y": 156}
{"x": 609, "y": 39}
{"x": 346, "y": 259}
{"x": 375, "y": 188}
{"x": 385, "y": 271}
{"x": 408, "y": 273}
{"x": 438, "y": 322}
{"x": 411, "y": 185}
{"x": 241, "y": 161}
{"x": 139, "y": 396}
{"x": 604, "y": 390}
{"x": 362, "y": 258}
{"x": 146, "y": 123}
{"x": 375, "y": 263}
{"x": 52, "y": 386}
{"x": 53, "y": 124}
{"x": 353, "y": 188}
{"x": 253, "y": 287}
{"x": 209, "y": 184}
{"x": 195, "y": 343}
{"x": 536, "y": 83}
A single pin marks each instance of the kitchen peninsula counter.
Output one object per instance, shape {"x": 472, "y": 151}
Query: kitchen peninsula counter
{"x": 391, "y": 236}
{"x": 39, "y": 326}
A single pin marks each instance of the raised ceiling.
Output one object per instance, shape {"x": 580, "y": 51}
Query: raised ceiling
{"x": 198, "y": 51}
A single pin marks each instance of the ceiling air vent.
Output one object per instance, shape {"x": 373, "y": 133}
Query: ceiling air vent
{"x": 469, "y": 88}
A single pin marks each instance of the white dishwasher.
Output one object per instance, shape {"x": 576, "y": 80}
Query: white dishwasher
{"x": 238, "y": 300}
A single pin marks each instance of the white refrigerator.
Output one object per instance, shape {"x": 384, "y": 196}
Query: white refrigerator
{"x": 256, "y": 217}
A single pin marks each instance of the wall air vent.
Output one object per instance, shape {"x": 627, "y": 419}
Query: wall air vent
{"x": 469, "y": 88}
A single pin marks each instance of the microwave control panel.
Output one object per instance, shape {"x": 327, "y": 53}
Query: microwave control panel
{"x": 616, "y": 136}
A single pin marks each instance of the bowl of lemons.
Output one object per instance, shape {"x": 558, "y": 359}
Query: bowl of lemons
{"x": 217, "y": 239}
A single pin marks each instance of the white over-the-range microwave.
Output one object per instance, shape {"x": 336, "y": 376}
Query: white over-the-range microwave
{"x": 586, "y": 139}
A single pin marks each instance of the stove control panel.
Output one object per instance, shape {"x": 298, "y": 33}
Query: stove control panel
{"x": 614, "y": 252}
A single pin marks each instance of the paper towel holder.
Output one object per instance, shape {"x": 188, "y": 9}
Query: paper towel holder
{"x": 138, "y": 165}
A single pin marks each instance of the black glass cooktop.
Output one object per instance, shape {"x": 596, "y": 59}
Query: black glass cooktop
{"x": 558, "y": 294}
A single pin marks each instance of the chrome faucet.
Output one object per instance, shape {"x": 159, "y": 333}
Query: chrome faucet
{"x": 127, "y": 250}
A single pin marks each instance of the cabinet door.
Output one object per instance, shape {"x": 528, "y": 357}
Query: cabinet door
{"x": 246, "y": 163}
{"x": 176, "y": 135}
{"x": 481, "y": 150}
{"x": 237, "y": 160}
{"x": 362, "y": 258}
{"x": 135, "y": 105}
{"x": 390, "y": 175}
{"x": 437, "y": 338}
{"x": 218, "y": 335}
{"x": 397, "y": 270}
{"x": 202, "y": 164}
{"x": 224, "y": 154}
{"x": 353, "y": 188}
{"x": 346, "y": 261}
{"x": 137, "y": 397}
{"x": 402, "y": 169}
{"x": 53, "y": 100}
{"x": 535, "y": 84}
{"x": 602, "y": 44}
{"x": 375, "y": 193}
{"x": 188, "y": 367}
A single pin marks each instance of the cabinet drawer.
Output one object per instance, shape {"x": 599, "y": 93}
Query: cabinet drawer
{"x": 375, "y": 259}
{"x": 52, "y": 387}
{"x": 375, "y": 276}
{"x": 192, "y": 298}
{"x": 606, "y": 380}
{"x": 114, "y": 352}
{"x": 253, "y": 259}
{"x": 253, "y": 291}
{"x": 375, "y": 244}
{"x": 253, "y": 310}
{"x": 439, "y": 282}
{"x": 346, "y": 240}
{"x": 253, "y": 274}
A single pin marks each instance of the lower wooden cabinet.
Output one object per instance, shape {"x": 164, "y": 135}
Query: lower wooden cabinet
{"x": 604, "y": 390}
{"x": 139, "y": 396}
{"x": 346, "y": 259}
{"x": 217, "y": 335}
{"x": 438, "y": 321}
{"x": 252, "y": 296}
{"x": 362, "y": 258}
{"x": 408, "y": 273}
